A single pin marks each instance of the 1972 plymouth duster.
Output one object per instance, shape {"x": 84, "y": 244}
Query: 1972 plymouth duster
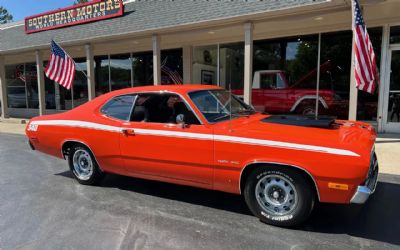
{"x": 205, "y": 137}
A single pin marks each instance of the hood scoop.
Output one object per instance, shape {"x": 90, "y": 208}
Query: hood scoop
{"x": 303, "y": 121}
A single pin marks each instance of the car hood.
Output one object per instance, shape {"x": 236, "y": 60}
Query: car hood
{"x": 357, "y": 137}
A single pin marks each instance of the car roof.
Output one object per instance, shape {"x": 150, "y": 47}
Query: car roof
{"x": 181, "y": 89}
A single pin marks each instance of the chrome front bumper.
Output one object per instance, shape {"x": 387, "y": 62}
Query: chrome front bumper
{"x": 363, "y": 192}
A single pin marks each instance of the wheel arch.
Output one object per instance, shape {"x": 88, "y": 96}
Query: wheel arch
{"x": 254, "y": 165}
{"x": 307, "y": 98}
{"x": 68, "y": 144}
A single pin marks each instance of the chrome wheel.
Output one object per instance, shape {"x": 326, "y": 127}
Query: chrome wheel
{"x": 82, "y": 164}
{"x": 276, "y": 195}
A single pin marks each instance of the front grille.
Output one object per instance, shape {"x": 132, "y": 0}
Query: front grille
{"x": 373, "y": 172}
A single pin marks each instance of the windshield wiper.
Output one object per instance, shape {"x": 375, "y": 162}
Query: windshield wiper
{"x": 244, "y": 113}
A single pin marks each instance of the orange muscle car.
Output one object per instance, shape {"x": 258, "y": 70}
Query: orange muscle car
{"x": 205, "y": 137}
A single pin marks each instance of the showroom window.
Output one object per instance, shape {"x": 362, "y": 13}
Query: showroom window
{"x": 120, "y": 71}
{"x": 22, "y": 86}
{"x": 335, "y": 71}
{"x": 59, "y": 98}
{"x": 171, "y": 66}
{"x": 142, "y": 69}
{"x": 395, "y": 34}
{"x": 102, "y": 74}
{"x": 229, "y": 58}
{"x": 130, "y": 70}
{"x": 205, "y": 65}
{"x": 285, "y": 75}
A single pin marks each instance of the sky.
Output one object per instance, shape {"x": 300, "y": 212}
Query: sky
{"x": 23, "y": 8}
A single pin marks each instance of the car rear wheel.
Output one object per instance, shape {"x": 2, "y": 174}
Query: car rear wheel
{"x": 281, "y": 197}
{"x": 84, "y": 166}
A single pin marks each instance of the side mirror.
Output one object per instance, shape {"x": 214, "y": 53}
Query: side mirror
{"x": 180, "y": 120}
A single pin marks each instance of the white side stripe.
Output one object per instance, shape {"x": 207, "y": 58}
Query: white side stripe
{"x": 222, "y": 138}
{"x": 173, "y": 134}
{"x": 279, "y": 144}
{"x": 80, "y": 124}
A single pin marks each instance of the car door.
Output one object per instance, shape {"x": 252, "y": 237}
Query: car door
{"x": 154, "y": 145}
{"x": 271, "y": 95}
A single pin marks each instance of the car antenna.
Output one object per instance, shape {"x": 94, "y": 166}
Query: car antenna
{"x": 230, "y": 108}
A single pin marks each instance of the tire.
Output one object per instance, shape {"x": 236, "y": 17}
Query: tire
{"x": 284, "y": 196}
{"x": 83, "y": 166}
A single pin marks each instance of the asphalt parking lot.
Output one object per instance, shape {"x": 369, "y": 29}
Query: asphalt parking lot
{"x": 42, "y": 207}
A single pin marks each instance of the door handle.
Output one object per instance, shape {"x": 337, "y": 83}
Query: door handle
{"x": 128, "y": 132}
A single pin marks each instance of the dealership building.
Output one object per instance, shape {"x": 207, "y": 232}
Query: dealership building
{"x": 283, "y": 57}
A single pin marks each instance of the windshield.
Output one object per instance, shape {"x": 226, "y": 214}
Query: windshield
{"x": 215, "y": 105}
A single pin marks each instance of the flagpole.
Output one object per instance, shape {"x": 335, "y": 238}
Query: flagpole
{"x": 353, "y": 88}
{"x": 318, "y": 75}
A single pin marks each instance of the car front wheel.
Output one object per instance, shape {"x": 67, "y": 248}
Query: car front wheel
{"x": 281, "y": 197}
{"x": 84, "y": 166}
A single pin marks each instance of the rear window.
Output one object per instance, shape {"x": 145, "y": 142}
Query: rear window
{"x": 119, "y": 107}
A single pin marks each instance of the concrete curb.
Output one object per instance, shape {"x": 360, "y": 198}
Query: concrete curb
{"x": 14, "y": 121}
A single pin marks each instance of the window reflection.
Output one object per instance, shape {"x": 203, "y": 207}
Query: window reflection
{"x": 102, "y": 76}
{"x": 142, "y": 66}
{"x": 394, "y": 91}
{"x": 205, "y": 60}
{"x": 285, "y": 75}
{"x": 171, "y": 66}
{"x": 231, "y": 65}
{"x": 22, "y": 86}
{"x": 335, "y": 70}
{"x": 120, "y": 68}
{"x": 395, "y": 34}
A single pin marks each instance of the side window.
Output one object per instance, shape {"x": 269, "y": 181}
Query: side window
{"x": 268, "y": 81}
{"x": 161, "y": 108}
{"x": 119, "y": 107}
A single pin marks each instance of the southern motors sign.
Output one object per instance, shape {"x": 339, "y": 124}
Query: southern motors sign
{"x": 77, "y": 14}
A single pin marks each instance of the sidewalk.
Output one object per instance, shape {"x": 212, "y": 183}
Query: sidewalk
{"x": 387, "y": 146}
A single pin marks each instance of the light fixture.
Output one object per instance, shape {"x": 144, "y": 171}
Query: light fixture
{"x": 319, "y": 18}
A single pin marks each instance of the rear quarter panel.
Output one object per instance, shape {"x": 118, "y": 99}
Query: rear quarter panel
{"x": 104, "y": 144}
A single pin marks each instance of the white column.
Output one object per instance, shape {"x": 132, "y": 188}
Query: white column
{"x": 248, "y": 61}
{"x": 40, "y": 79}
{"x": 187, "y": 64}
{"x": 353, "y": 90}
{"x": 156, "y": 60}
{"x": 384, "y": 81}
{"x": 90, "y": 72}
{"x": 3, "y": 90}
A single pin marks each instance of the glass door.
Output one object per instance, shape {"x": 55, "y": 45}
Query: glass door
{"x": 393, "y": 93}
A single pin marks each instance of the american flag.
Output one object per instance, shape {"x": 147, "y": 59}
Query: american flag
{"x": 366, "y": 71}
{"x": 61, "y": 67}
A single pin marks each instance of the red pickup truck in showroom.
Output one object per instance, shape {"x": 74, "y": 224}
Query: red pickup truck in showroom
{"x": 271, "y": 93}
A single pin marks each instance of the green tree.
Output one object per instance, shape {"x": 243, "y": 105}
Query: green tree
{"x": 80, "y": 1}
{"x": 5, "y": 16}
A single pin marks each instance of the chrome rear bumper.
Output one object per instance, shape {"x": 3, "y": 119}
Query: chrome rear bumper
{"x": 363, "y": 192}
